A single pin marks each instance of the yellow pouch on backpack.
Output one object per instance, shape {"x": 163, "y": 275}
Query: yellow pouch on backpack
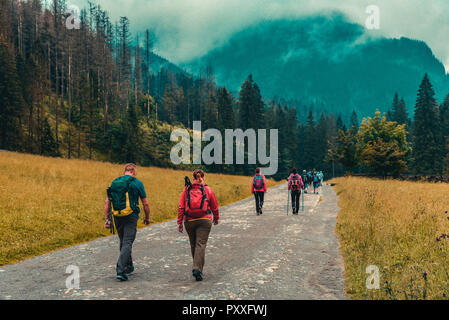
{"x": 125, "y": 212}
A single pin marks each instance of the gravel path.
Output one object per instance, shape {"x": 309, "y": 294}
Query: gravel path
{"x": 272, "y": 256}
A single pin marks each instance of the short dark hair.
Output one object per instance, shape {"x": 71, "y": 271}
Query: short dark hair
{"x": 198, "y": 172}
{"x": 294, "y": 171}
{"x": 257, "y": 170}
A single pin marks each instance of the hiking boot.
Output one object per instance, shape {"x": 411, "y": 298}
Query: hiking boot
{"x": 260, "y": 211}
{"x": 198, "y": 275}
{"x": 122, "y": 277}
{"x": 129, "y": 270}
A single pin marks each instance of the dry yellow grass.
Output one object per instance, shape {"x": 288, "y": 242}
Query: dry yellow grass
{"x": 51, "y": 203}
{"x": 394, "y": 225}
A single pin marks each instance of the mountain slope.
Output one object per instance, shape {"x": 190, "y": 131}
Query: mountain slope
{"x": 157, "y": 63}
{"x": 329, "y": 60}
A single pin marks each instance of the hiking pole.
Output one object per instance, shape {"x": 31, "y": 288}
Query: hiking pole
{"x": 187, "y": 182}
{"x": 110, "y": 216}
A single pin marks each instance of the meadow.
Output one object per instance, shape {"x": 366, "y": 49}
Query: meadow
{"x": 51, "y": 203}
{"x": 400, "y": 228}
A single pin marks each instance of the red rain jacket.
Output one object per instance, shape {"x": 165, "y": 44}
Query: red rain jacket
{"x": 301, "y": 184}
{"x": 264, "y": 189}
{"x": 213, "y": 205}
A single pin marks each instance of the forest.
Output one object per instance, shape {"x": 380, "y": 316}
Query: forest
{"x": 93, "y": 93}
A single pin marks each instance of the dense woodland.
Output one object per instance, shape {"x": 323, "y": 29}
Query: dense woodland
{"x": 90, "y": 93}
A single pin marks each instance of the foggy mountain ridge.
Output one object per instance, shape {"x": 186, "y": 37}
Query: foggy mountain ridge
{"x": 326, "y": 60}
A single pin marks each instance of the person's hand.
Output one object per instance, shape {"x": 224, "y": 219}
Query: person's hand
{"x": 215, "y": 222}
{"x": 146, "y": 221}
{"x": 107, "y": 224}
{"x": 180, "y": 228}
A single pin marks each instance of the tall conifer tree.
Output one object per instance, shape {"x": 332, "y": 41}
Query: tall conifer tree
{"x": 426, "y": 133}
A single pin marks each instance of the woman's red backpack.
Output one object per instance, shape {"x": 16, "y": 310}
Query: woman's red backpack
{"x": 295, "y": 185}
{"x": 197, "y": 202}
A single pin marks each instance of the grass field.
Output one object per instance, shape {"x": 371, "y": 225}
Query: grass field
{"x": 51, "y": 203}
{"x": 394, "y": 225}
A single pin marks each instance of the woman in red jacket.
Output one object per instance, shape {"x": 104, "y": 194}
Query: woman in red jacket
{"x": 295, "y": 184}
{"x": 198, "y": 208}
{"x": 258, "y": 188}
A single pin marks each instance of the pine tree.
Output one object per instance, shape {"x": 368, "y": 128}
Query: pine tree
{"x": 11, "y": 102}
{"x": 444, "y": 121}
{"x": 321, "y": 142}
{"x": 170, "y": 101}
{"x": 284, "y": 162}
{"x": 310, "y": 143}
{"x": 181, "y": 107}
{"x": 48, "y": 145}
{"x": 225, "y": 105}
{"x": 245, "y": 104}
{"x": 211, "y": 116}
{"x": 426, "y": 134}
{"x": 133, "y": 143}
{"x": 258, "y": 108}
{"x": 340, "y": 124}
{"x": 137, "y": 71}
{"x": 354, "y": 121}
{"x": 125, "y": 61}
{"x": 251, "y": 106}
{"x": 291, "y": 128}
{"x": 399, "y": 111}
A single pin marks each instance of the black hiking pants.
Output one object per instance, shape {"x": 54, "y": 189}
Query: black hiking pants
{"x": 296, "y": 194}
{"x": 126, "y": 230}
{"x": 259, "y": 195}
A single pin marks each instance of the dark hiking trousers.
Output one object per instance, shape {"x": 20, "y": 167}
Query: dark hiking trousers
{"x": 259, "y": 195}
{"x": 126, "y": 230}
{"x": 198, "y": 231}
{"x": 295, "y": 200}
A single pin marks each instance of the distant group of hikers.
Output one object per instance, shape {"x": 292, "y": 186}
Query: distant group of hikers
{"x": 296, "y": 183}
{"x": 312, "y": 178}
{"x": 198, "y": 210}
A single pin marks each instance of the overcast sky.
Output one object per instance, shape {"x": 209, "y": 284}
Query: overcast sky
{"x": 186, "y": 29}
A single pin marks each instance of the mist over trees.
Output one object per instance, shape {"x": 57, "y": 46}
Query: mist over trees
{"x": 97, "y": 92}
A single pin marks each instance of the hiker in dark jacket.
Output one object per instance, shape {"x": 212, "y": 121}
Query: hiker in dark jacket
{"x": 305, "y": 180}
{"x": 316, "y": 182}
{"x": 258, "y": 188}
{"x": 126, "y": 225}
{"x": 198, "y": 209}
{"x": 295, "y": 185}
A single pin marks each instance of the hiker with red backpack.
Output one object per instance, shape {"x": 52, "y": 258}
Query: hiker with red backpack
{"x": 258, "y": 188}
{"x": 295, "y": 184}
{"x": 198, "y": 209}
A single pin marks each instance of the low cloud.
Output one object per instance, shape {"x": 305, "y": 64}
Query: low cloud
{"x": 188, "y": 29}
